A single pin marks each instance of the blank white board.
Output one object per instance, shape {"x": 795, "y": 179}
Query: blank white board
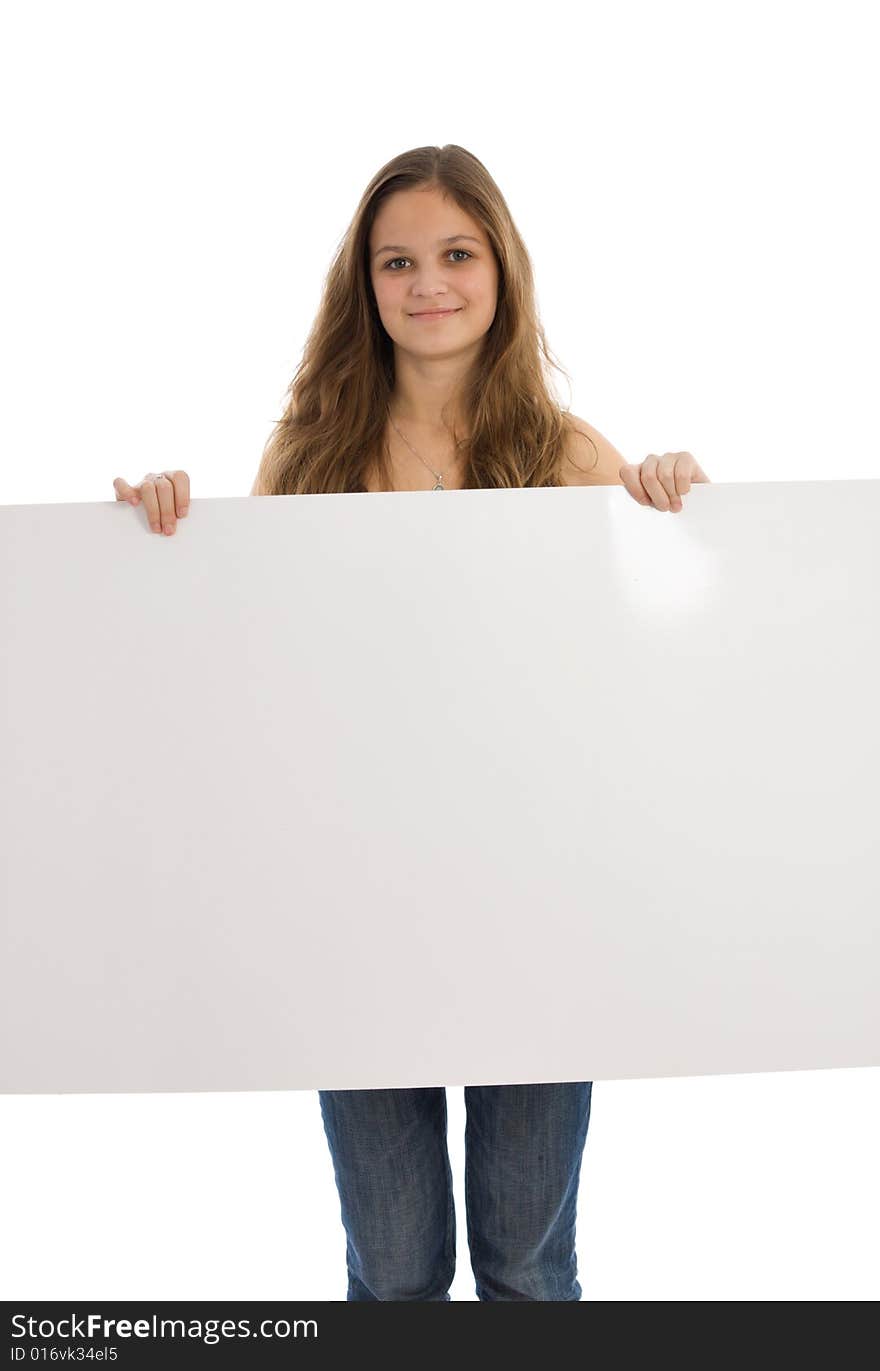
{"x": 378, "y": 790}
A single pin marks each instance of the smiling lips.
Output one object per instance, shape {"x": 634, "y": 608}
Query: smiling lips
{"x": 434, "y": 313}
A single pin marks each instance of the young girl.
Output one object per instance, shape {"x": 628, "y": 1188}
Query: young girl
{"x": 423, "y": 371}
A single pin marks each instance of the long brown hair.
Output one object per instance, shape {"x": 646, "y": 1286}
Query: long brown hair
{"x": 331, "y": 432}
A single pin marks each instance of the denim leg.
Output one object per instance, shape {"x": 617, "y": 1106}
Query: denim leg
{"x": 394, "y": 1181}
{"x": 523, "y": 1151}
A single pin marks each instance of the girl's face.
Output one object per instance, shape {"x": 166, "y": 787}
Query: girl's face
{"x": 414, "y": 268}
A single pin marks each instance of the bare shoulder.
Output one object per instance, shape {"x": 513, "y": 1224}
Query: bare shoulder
{"x": 590, "y": 459}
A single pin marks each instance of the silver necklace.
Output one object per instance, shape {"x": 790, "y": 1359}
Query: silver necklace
{"x": 438, "y": 475}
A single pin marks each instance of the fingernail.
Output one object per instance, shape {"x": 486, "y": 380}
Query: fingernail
{"x": 183, "y": 511}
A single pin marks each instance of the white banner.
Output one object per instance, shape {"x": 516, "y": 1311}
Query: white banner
{"x": 389, "y": 790}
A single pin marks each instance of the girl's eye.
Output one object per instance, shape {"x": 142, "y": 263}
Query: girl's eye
{"x": 463, "y": 251}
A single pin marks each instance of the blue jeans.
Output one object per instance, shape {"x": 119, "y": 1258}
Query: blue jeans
{"x": 523, "y": 1150}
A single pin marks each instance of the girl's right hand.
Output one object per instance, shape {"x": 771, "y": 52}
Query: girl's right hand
{"x": 165, "y": 495}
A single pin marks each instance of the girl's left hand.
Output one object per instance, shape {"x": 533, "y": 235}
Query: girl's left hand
{"x": 661, "y": 481}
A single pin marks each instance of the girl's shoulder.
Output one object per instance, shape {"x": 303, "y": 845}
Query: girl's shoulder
{"x": 581, "y": 467}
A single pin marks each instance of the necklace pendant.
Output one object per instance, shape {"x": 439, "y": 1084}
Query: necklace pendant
{"x": 439, "y": 485}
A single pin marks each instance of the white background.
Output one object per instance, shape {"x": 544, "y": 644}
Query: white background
{"x": 693, "y": 184}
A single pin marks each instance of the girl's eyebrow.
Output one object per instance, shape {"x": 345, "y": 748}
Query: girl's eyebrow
{"x": 396, "y": 247}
